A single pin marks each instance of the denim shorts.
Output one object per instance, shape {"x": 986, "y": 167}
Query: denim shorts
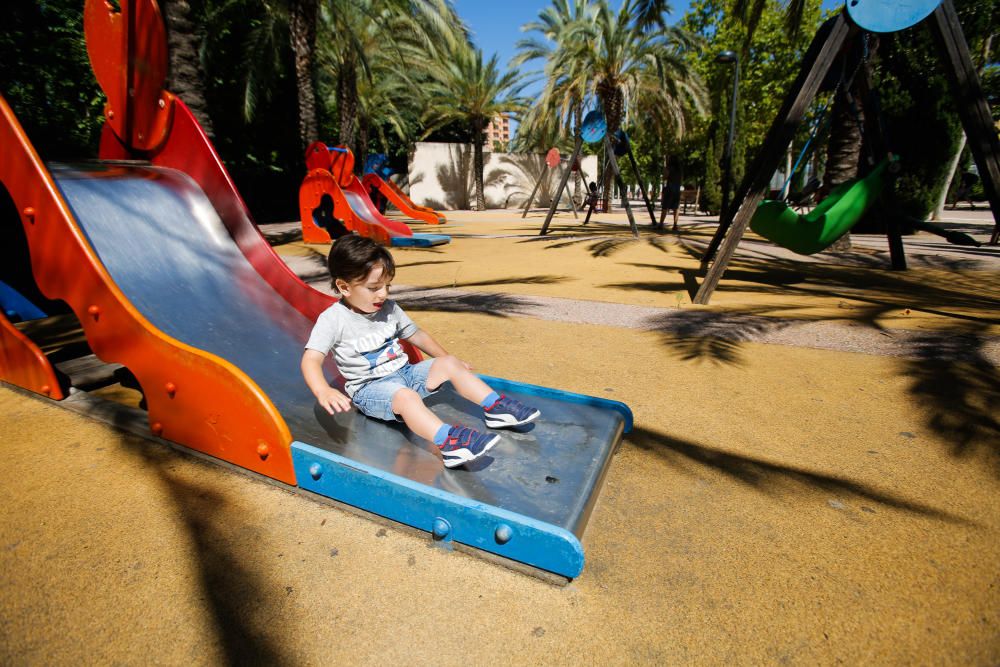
{"x": 375, "y": 398}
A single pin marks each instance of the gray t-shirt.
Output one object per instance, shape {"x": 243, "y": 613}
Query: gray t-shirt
{"x": 365, "y": 347}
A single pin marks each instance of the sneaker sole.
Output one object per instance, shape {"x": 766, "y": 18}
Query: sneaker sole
{"x": 499, "y": 423}
{"x": 489, "y": 445}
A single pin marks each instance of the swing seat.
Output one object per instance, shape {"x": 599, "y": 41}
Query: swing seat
{"x": 818, "y": 229}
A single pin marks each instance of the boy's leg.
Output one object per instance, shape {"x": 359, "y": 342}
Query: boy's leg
{"x": 418, "y": 417}
{"x": 458, "y": 444}
{"x": 466, "y": 383}
{"x": 499, "y": 411}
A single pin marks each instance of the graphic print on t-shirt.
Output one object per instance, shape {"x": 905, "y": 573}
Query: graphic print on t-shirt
{"x": 389, "y": 351}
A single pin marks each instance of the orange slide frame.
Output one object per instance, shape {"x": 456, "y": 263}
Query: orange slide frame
{"x": 331, "y": 173}
{"x": 194, "y": 398}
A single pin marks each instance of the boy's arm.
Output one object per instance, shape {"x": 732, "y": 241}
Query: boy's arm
{"x": 424, "y": 342}
{"x": 331, "y": 399}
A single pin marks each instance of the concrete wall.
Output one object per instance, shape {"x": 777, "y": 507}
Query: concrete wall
{"x": 441, "y": 176}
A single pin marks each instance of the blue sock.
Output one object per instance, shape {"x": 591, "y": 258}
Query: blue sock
{"x": 442, "y": 434}
{"x": 490, "y": 400}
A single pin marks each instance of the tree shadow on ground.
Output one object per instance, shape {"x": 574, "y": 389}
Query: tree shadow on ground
{"x": 495, "y": 305}
{"x": 311, "y": 267}
{"x": 284, "y": 237}
{"x": 430, "y": 262}
{"x": 235, "y": 593}
{"x": 770, "y": 478}
{"x": 958, "y": 390}
{"x": 515, "y": 280}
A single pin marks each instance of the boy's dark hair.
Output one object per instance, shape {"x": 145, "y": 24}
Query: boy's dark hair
{"x": 353, "y": 256}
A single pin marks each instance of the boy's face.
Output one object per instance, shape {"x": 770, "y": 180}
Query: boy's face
{"x": 368, "y": 294}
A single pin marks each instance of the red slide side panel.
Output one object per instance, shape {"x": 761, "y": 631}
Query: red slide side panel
{"x": 187, "y": 149}
{"x": 400, "y": 200}
{"x": 195, "y": 398}
{"x": 23, "y": 364}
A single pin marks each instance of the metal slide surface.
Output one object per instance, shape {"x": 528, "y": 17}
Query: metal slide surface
{"x": 167, "y": 250}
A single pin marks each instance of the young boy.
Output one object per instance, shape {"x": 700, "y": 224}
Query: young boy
{"x": 363, "y": 331}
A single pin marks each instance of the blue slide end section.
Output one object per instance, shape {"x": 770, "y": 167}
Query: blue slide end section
{"x": 421, "y": 240}
{"x": 501, "y": 385}
{"x": 16, "y": 307}
{"x": 446, "y": 516}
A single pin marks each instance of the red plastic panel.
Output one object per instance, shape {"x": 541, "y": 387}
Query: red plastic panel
{"x": 23, "y": 364}
{"x": 342, "y": 166}
{"x": 318, "y": 156}
{"x": 128, "y": 51}
{"x": 196, "y": 399}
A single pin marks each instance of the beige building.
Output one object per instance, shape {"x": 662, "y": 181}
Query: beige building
{"x": 499, "y": 130}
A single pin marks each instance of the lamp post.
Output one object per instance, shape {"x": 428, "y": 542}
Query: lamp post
{"x": 727, "y": 157}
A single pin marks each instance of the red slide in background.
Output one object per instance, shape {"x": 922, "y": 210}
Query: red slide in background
{"x": 331, "y": 195}
{"x": 398, "y": 198}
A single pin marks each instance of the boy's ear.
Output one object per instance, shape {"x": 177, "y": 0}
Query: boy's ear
{"x": 341, "y": 286}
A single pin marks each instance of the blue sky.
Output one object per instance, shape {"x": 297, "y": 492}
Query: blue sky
{"x": 496, "y": 24}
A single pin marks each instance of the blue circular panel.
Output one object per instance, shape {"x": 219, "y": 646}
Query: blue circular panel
{"x": 594, "y": 127}
{"x": 882, "y": 16}
{"x": 374, "y": 163}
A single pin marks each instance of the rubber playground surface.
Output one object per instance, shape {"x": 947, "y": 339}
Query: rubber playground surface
{"x": 814, "y": 476}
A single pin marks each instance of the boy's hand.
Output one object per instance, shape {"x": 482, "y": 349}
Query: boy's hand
{"x": 333, "y": 400}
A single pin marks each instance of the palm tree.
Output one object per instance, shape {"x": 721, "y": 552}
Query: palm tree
{"x": 185, "y": 77}
{"x": 302, "y": 36}
{"x": 365, "y": 46}
{"x": 282, "y": 24}
{"x": 464, "y": 89}
{"x": 628, "y": 56}
{"x": 565, "y": 91}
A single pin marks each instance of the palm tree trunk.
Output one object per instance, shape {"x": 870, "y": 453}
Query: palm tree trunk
{"x": 613, "y": 102}
{"x": 362, "y": 152}
{"x": 578, "y": 174}
{"x": 302, "y": 32}
{"x": 185, "y": 77}
{"x": 844, "y": 151}
{"x": 347, "y": 105}
{"x": 478, "y": 137}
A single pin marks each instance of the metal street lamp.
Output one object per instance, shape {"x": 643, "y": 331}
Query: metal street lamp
{"x": 727, "y": 158}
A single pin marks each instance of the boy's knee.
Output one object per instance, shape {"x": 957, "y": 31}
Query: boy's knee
{"x": 448, "y": 362}
{"x": 404, "y": 399}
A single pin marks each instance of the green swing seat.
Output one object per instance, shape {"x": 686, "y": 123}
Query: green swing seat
{"x": 832, "y": 218}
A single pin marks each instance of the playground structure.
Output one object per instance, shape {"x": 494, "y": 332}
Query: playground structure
{"x": 376, "y": 180}
{"x": 155, "y": 253}
{"x": 552, "y": 161}
{"x": 831, "y": 219}
{"x": 594, "y": 130}
{"x": 333, "y": 200}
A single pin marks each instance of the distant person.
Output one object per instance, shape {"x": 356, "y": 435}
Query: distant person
{"x": 363, "y": 331}
{"x": 672, "y": 192}
{"x": 967, "y": 181}
{"x": 592, "y": 195}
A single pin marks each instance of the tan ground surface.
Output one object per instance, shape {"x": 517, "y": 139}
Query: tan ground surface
{"x": 775, "y": 504}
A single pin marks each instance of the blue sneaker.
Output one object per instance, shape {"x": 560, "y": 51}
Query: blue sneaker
{"x": 464, "y": 444}
{"x": 506, "y": 412}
